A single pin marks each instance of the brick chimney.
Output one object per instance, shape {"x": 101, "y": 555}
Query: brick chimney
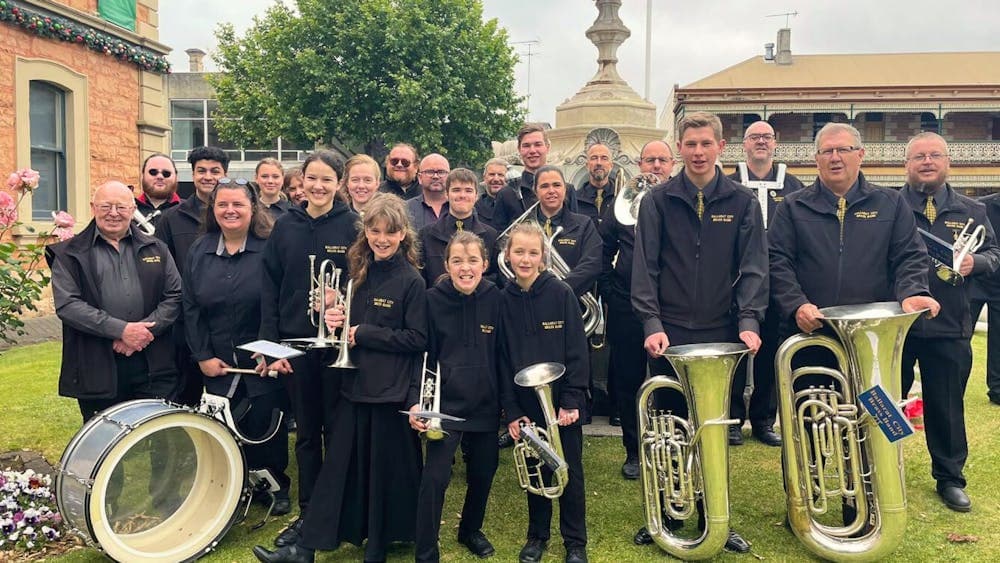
{"x": 196, "y": 60}
{"x": 784, "y": 56}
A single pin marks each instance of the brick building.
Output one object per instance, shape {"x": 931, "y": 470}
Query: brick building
{"x": 82, "y": 97}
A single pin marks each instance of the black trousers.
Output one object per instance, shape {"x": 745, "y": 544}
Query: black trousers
{"x": 992, "y": 344}
{"x": 134, "y": 382}
{"x": 572, "y": 503}
{"x": 763, "y": 401}
{"x": 627, "y": 366}
{"x": 272, "y": 454}
{"x": 315, "y": 396}
{"x": 945, "y": 364}
{"x": 192, "y": 385}
{"x": 482, "y": 458}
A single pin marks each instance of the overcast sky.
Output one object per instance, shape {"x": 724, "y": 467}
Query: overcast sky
{"x": 686, "y": 45}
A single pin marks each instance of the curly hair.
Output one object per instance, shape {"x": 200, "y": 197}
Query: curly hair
{"x": 390, "y": 210}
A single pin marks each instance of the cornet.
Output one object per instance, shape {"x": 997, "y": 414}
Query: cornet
{"x": 328, "y": 277}
{"x": 541, "y": 446}
{"x": 947, "y": 258}
{"x": 145, "y": 222}
{"x": 430, "y": 404}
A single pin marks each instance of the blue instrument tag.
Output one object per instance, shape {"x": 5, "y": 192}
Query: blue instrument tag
{"x": 886, "y": 412}
{"x": 938, "y": 249}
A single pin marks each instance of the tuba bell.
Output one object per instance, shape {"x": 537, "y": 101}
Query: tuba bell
{"x": 539, "y": 446}
{"x": 830, "y": 449}
{"x": 684, "y": 460}
{"x": 630, "y": 195}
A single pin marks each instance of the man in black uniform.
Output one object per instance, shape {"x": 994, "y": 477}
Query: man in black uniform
{"x": 985, "y": 290}
{"x": 401, "y": 171}
{"x": 597, "y": 192}
{"x": 494, "y": 179}
{"x": 700, "y": 268}
{"x": 519, "y": 193}
{"x": 159, "y": 188}
{"x": 179, "y": 227}
{"x": 942, "y": 345}
{"x": 770, "y": 183}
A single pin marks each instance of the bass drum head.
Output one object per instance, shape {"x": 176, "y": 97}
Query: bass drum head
{"x": 167, "y": 490}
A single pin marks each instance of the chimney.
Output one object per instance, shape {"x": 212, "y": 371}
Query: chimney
{"x": 196, "y": 60}
{"x": 784, "y": 56}
{"x": 768, "y": 51}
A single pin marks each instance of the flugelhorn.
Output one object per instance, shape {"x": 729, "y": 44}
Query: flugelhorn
{"x": 830, "y": 449}
{"x": 686, "y": 460}
{"x": 628, "y": 198}
{"x": 145, "y": 222}
{"x": 320, "y": 281}
{"x": 539, "y": 446}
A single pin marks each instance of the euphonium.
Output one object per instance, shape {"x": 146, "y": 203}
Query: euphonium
{"x": 430, "y": 400}
{"x": 683, "y": 460}
{"x": 830, "y": 448}
{"x": 541, "y": 446}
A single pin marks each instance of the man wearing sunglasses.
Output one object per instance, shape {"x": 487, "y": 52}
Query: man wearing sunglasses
{"x": 401, "y": 172}
{"x": 159, "y": 187}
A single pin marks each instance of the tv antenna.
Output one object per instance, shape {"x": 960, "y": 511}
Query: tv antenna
{"x": 785, "y": 15}
{"x": 528, "y": 55}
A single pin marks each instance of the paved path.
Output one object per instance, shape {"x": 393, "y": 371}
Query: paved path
{"x": 38, "y": 329}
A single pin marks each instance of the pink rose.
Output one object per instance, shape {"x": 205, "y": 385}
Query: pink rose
{"x": 13, "y": 181}
{"x": 63, "y": 219}
{"x": 29, "y": 178}
{"x": 62, "y": 233}
{"x": 8, "y": 210}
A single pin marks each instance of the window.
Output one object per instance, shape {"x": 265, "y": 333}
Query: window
{"x": 928, "y": 122}
{"x": 47, "y": 119}
{"x": 194, "y": 125}
{"x": 118, "y": 12}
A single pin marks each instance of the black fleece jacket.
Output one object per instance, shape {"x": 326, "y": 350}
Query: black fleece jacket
{"x": 542, "y": 324}
{"x": 463, "y": 335}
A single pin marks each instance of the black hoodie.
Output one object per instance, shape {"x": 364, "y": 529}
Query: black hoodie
{"x": 390, "y": 311}
{"x": 285, "y": 288}
{"x": 464, "y": 340}
{"x": 542, "y": 324}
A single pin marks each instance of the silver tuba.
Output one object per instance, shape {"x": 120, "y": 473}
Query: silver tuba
{"x": 682, "y": 461}
{"x": 628, "y": 198}
{"x": 831, "y": 449}
{"x": 541, "y": 446}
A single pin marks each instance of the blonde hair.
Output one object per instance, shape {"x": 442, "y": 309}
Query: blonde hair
{"x": 533, "y": 229}
{"x": 358, "y": 160}
{"x": 391, "y": 210}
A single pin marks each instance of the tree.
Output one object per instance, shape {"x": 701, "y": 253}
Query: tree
{"x": 368, "y": 73}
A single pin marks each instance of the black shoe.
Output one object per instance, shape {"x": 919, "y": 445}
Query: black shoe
{"x": 735, "y": 436}
{"x": 291, "y": 534}
{"x": 736, "y": 543}
{"x": 286, "y": 554}
{"x": 477, "y": 544}
{"x": 767, "y": 436}
{"x": 955, "y": 499}
{"x": 532, "y": 551}
{"x": 576, "y": 554}
{"x": 614, "y": 420}
{"x": 282, "y": 504}
{"x": 505, "y": 440}
{"x": 642, "y": 537}
{"x": 630, "y": 469}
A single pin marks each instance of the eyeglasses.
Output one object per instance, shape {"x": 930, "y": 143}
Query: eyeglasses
{"x": 401, "y": 162}
{"x": 655, "y": 159}
{"x": 935, "y": 156}
{"x": 120, "y": 208}
{"x": 759, "y": 137}
{"x": 827, "y": 153}
{"x": 157, "y": 172}
{"x": 435, "y": 173}
{"x": 237, "y": 181}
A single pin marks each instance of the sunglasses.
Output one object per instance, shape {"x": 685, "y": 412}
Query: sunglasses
{"x": 157, "y": 172}
{"x": 402, "y": 162}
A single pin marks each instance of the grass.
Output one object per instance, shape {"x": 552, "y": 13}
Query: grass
{"x": 33, "y": 416}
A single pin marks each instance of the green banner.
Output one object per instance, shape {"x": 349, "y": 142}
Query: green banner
{"x": 118, "y": 12}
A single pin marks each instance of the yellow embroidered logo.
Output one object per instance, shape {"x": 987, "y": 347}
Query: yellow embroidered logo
{"x": 151, "y": 259}
{"x": 956, "y": 225}
{"x": 330, "y": 249}
{"x": 486, "y": 329}
{"x": 866, "y": 215}
{"x": 722, "y": 218}
{"x": 566, "y": 242}
{"x": 383, "y": 302}
{"x": 778, "y": 198}
{"x": 552, "y": 325}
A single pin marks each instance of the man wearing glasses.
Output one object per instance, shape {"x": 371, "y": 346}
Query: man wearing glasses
{"x": 159, "y": 187}
{"x": 401, "y": 172}
{"x": 118, "y": 294}
{"x": 770, "y": 182}
{"x": 432, "y": 203}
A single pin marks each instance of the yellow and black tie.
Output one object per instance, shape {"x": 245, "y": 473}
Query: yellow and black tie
{"x": 930, "y": 211}
{"x": 700, "y": 207}
{"x": 841, "y": 213}
{"x": 548, "y": 227}
{"x": 599, "y": 200}
{"x": 458, "y": 225}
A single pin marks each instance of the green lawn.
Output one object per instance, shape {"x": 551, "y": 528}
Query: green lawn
{"x": 33, "y": 416}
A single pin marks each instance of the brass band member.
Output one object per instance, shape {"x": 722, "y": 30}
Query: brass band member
{"x": 432, "y": 202}
{"x": 985, "y": 291}
{"x": 464, "y": 313}
{"x": 542, "y": 323}
{"x": 401, "y": 171}
{"x": 494, "y": 179}
{"x": 361, "y": 177}
{"x": 942, "y": 345}
{"x": 292, "y": 186}
{"x": 159, "y": 187}
{"x": 269, "y": 176}
{"x": 596, "y": 193}
{"x": 700, "y": 267}
{"x": 517, "y": 196}
{"x": 627, "y": 363}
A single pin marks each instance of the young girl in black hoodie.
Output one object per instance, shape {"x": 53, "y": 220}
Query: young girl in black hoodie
{"x": 541, "y": 320}
{"x": 368, "y": 489}
{"x": 464, "y": 310}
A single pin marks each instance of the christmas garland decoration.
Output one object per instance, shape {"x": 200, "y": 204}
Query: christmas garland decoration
{"x": 54, "y": 27}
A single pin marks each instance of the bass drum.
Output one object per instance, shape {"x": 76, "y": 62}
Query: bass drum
{"x": 147, "y": 480}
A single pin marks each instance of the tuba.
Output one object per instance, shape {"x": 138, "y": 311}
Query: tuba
{"x": 630, "y": 196}
{"x": 541, "y": 446}
{"x": 831, "y": 449}
{"x": 682, "y": 460}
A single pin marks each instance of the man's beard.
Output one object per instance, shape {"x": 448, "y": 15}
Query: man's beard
{"x": 152, "y": 191}
{"x": 402, "y": 177}
{"x": 927, "y": 187}
{"x": 599, "y": 175}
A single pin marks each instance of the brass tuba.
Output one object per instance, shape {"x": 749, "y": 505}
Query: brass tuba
{"x": 683, "y": 460}
{"x": 830, "y": 448}
{"x": 541, "y": 446}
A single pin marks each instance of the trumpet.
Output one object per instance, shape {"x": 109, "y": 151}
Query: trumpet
{"x": 831, "y": 449}
{"x": 683, "y": 460}
{"x": 541, "y": 446}
{"x": 145, "y": 222}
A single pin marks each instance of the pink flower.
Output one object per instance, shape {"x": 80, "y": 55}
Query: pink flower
{"x": 24, "y": 180}
{"x": 13, "y": 181}
{"x": 63, "y": 219}
{"x": 8, "y": 210}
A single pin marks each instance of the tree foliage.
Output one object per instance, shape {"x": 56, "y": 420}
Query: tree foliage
{"x": 368, "y": 72}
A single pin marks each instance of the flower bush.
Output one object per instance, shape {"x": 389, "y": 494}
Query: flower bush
{"x": 21, "y": 280}
{"x": 29, "y": 518}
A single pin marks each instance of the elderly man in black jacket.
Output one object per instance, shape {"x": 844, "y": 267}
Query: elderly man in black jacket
{"x": 117, "y": 293}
